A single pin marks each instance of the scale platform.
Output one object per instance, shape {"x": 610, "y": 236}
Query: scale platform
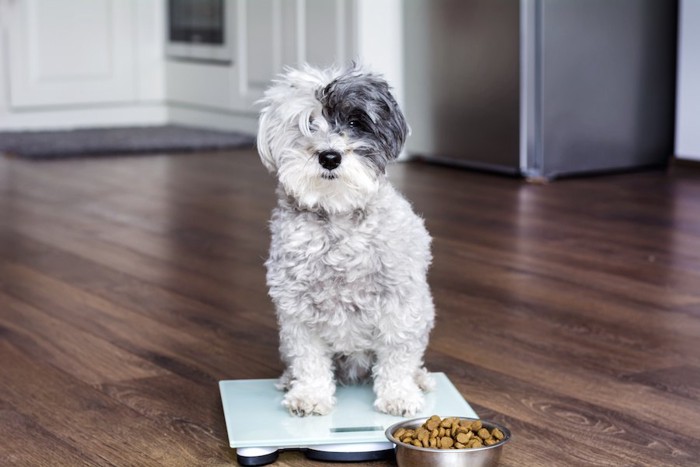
{"x": 259, "y": 426}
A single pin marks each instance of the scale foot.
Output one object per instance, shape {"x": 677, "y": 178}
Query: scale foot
{"x": 256, "y": 456}
{"x": 359, "y": 452}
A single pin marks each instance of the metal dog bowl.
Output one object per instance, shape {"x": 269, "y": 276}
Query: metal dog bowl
{"x": 412, "y": 456}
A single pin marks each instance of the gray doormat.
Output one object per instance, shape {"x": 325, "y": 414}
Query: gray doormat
{"x": 112, "y": 141}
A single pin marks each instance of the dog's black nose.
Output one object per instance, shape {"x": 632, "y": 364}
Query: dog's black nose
{"x": 329, "y": 159}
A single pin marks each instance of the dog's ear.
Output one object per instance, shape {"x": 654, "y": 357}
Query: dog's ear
{"x": 396, "y": 125}
{"x": 264, "y": 141}
{"x": 393, "y": 129}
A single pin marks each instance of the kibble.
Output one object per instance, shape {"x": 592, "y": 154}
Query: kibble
{"x": 450, "y": 433}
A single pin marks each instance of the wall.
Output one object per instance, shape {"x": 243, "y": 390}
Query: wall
{"x": 380, "y": 39}
{"x": 688, "y": 97}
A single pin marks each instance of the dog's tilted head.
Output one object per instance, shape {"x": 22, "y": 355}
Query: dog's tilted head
{"x": 329, "y": 134}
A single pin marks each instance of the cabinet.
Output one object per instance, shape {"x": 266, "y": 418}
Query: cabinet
{"x": 317, "y": 32}
{"x": 71, "y": 52}
{"x": 78, "y": 63}
{"x": 267, "y": 35}
{"x": 271, "y": 34}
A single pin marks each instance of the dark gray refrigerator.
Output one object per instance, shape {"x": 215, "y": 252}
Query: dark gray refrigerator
{"x": 541, "y": 88}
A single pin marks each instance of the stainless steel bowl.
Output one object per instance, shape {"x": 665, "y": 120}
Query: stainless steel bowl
{"x": 412, "y": 456}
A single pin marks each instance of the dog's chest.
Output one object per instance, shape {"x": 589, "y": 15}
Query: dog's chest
{"x": 336, "y": 265}
{"x": 344, "y": 251}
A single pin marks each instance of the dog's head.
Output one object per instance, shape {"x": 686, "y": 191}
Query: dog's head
{"x": 329, "y": 134}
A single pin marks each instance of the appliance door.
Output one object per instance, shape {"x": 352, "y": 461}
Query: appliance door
{"x": 462, "y": 62}
{"x": 606, "y": 90}
{"x": 197, "y": 29}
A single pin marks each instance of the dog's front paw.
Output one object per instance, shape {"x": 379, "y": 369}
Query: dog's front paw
{"x": 308, "y": 400}
{"x": 405, "y": 404}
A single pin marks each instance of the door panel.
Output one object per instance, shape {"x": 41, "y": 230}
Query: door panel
{"x": 67, "y": 52}
{"x": 276, "y": 33}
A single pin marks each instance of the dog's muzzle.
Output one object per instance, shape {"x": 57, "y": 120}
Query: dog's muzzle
{"x": 329, "y": 160}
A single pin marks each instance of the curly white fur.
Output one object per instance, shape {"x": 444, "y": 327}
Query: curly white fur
{"x": 348, "y": 257}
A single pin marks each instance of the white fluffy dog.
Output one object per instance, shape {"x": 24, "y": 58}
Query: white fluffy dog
{"x": 348, "y": 258}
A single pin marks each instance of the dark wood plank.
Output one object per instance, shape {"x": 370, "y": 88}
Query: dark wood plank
{"x": 23, "y": 441}
{"x": 142, "y": 319}
{"x": 583, "y": 427}
{"x": 129, "y": 286}
{"x": 88, "y": 358}
{"x": 96, "y": 425}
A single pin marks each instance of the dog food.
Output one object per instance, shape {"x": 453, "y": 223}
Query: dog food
{"x": 449, "y": 433}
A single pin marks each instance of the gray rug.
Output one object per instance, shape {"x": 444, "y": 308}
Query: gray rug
{"x": 113, "y": 141}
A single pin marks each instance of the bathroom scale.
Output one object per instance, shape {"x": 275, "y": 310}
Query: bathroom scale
{"x": 259, "y": 427}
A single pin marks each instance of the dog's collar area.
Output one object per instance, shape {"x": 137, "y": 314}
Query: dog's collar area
{"x": 356, "y": 215}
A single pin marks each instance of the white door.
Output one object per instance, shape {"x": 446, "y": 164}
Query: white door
{"x": 275, "y": 33}
{"x": 71, "y": 52}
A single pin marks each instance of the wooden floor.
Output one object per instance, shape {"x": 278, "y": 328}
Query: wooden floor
{"x": 129, "y": 286}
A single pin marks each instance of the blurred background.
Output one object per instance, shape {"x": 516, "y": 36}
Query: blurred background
{"x": 534, "y": 88}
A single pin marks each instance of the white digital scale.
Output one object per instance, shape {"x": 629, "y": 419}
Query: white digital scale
{"x": 259, "y": 427}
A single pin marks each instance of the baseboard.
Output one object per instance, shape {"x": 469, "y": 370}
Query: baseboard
{"x": 87, "y": 117}
{"x": 141, "y": 115}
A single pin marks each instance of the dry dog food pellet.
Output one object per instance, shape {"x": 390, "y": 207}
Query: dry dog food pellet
{"x": 450, "y": 433}
{"x": 475, "y": 443}
{"x": 432, "y": 423}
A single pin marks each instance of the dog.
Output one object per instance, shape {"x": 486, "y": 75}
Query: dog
{"x": 348, "y": 256}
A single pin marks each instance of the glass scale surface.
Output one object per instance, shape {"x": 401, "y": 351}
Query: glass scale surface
{"x": 259, "y": 426}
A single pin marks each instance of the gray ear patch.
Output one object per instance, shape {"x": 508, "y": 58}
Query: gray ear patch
{"x": 361, "y": 105}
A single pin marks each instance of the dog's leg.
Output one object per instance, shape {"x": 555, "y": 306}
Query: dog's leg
{"x": 424, "y": 380}
{"x": 285, "y": 381}
{"x": 309, "y": 373}
{"x": 396, "y": 377}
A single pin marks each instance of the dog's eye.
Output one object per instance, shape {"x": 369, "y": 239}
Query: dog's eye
{"x": 357, "y": 124}
{"x": 358, "y": 121}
